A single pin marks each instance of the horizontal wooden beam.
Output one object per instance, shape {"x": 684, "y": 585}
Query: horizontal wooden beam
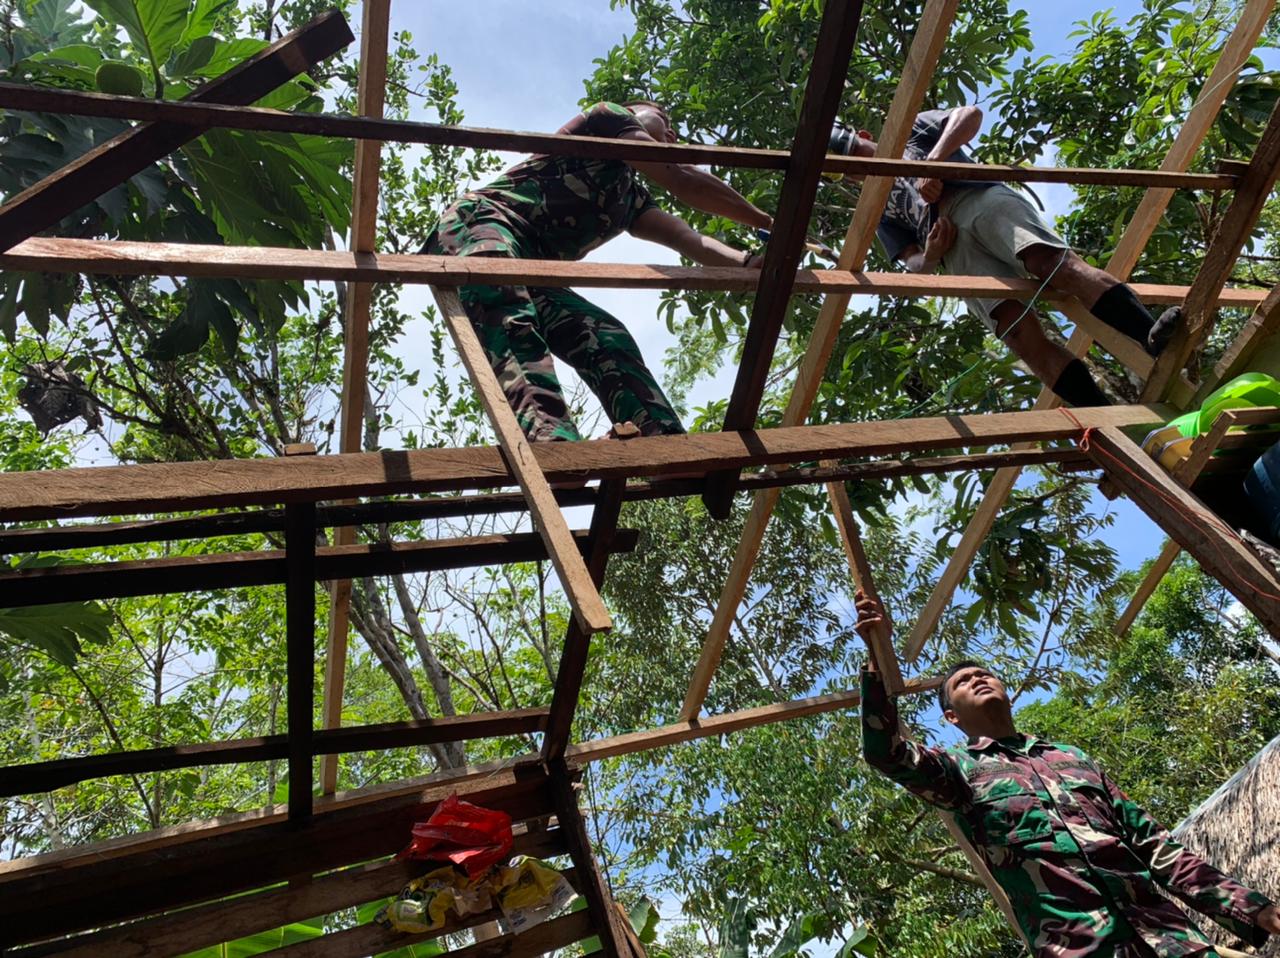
{"x": 180, "y": 487}
{"x": 190, "y": 929}
{"x": 98, "y": 535}
{"x": 47, "y": 776}
{"x": 114, "y": 580}
{"x": 112, "y": 883}
{"x": 706, "y": 727}
{"x": 39, "y": 99}
{"x": 126, "y": 258}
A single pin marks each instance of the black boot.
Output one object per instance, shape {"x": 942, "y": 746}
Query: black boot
{"x": 1076, "y": 387}
{"x": 1120, "y": 309}
{"x": 1163, "y": 330}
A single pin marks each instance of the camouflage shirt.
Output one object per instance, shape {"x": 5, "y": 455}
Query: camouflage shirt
{"x": 562, "y": 207}
{"x": 1079, "y": 860}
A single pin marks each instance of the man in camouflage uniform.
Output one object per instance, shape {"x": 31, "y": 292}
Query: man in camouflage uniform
{"x": 562, "y": 207}
{"x": 1078, "y": 859}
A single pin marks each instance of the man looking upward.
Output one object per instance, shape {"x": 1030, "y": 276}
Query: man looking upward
{"x": 1078, "y": 859}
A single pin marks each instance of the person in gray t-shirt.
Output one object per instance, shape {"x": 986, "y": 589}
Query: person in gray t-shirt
{"x": 983, "y": 228}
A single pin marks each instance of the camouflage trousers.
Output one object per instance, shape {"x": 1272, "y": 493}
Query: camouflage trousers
{"x": 523, "y": 327}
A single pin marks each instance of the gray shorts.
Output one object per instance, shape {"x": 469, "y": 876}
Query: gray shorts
{"x": 993, "y": 226}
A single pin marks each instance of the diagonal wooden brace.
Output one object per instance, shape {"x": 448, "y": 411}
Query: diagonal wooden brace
{"x": 584, "y": 597}
{"x": 105, "y": 167}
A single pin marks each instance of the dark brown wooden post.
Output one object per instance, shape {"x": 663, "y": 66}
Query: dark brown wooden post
{"x": 300, "y": 639}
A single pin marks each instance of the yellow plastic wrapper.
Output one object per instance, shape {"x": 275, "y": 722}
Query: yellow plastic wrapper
{"x": 529, "y": 892}
{"x": 425, "y": 903}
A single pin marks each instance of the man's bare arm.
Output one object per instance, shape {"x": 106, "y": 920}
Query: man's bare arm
{"x": 961, "y": 127}
{"x": 700, "y": 189}
{"x": 659, "y": 226}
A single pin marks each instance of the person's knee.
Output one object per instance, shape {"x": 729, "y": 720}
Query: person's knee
{"x": 1042, "y": 260}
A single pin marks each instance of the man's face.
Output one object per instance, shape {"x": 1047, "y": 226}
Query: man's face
{"x": 972, "y": 691}
{"x": 864, "y": 145}
{"x": 655, "y": 124}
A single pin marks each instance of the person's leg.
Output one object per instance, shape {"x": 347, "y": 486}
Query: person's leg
{"x": 607, "y": 358}
{"x": 1019, "y": 327}
{"x": 1112, "y": 301}
{"x": 506, "y": 322}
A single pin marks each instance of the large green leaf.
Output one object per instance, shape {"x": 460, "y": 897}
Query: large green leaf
{"x": 202, "y": 19}
{"x": 264, "y": 941}
{"x": 58, "y": 629}
{"x": 153, "y": 26}
{"x": 801, "y": 931}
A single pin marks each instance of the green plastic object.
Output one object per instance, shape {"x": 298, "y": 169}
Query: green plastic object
{"x": 1248, "y": 389}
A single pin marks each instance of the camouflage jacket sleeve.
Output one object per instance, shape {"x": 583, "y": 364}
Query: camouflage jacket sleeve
{"x": 928, "y": 772}
{"x": 1191, "y": 878}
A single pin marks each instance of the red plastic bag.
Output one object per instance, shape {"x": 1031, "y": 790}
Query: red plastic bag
{"x": 462, "y": 833}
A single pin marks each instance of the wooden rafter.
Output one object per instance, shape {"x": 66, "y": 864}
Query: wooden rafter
{"x": 183, "y": 486}
{"x": 1185, "y": 474}
{"x": 1189, "y": 523}
{"x": 828, "y": 71}
{"x": 370, "y": 100}
{"x": 78, "y": 103}
{"x": 1234, "y": 231}
{"x": 124, "y": 258}
{"x": 105, "y": 167}
{"x": 1235, "y": 54}
{"x": 922, "y": 58}
{"x": 21, "y": 588}
{"x": 47, "y": 776}
{"x": 577, "y": 641}
{"x": 581, "y": 591}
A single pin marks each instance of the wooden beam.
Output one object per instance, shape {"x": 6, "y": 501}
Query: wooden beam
{"x": 922, "y": 58}
{"x": 881, "y": 640}
{"x": 1169, "y": 553}
{"x": 1185, "y": 474}
{"x": 370, "y": 100}
{"x": 113, "y": 580}
{"x": 50, "y": 898}
{"x": 1234, "y": 231}
{"x": 300, "y": 645}
{"x": 106, "y": 166}
{"x": 1190, "y": 523}
{"x": 179, "y": 487}
{"x": 31, "y": 881}
{"x": 126, "y": 258}
{"x": 96, "y": 535}
{"x": 181, "y": 932}
{"x": 1235, "y": 54}
{"x": 375, "y": 939}
{"x": 605, "y": 919}
{"x": 711, "y": 726}
{"x": 17, "y": 97}
{"x": 583, "y": 595}
{"x": 46, "y": 776}
{"x": 828, "y": 71}
{"x": 1257, "y": 332}
{"x": 577, "y": 641}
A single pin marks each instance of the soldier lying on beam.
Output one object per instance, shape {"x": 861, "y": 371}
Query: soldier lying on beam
{"x": 1078, "y": 859}
{"x": 983, "y": 228}
{"x": 562, "y": 207}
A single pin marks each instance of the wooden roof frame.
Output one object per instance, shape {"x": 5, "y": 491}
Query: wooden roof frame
{"x": 371, "y": 822}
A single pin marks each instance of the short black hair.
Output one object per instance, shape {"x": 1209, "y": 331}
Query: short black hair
{"x": 944, "y": 698}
